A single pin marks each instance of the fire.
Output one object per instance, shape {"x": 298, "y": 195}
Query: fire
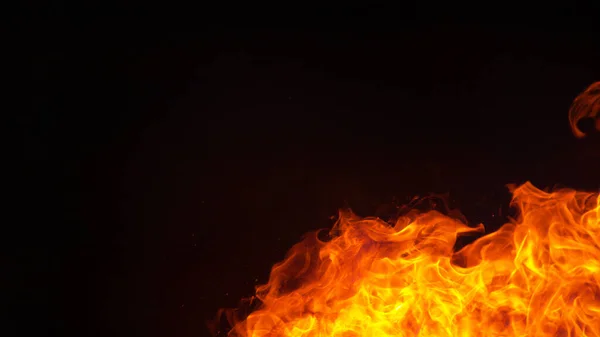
{"x": 586, "y": 105}
{"x": 538, "y": 275}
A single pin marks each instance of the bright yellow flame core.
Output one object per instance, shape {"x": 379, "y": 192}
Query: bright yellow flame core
{"x": 536, "y": 276}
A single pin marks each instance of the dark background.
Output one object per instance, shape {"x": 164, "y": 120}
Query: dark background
{"x": 175, "y": 154}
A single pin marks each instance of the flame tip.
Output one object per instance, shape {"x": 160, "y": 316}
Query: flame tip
{"x": 585, "y": 105}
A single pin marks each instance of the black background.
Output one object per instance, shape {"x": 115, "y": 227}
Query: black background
{"x": 177, "y": 153}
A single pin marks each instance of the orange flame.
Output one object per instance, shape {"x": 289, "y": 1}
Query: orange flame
{"x": 586, "y": 105}
{"x": 539, "y": 275}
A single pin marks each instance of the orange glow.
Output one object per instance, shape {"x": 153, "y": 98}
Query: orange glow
{"x": 539, "y": 275}
{"x": 587, "y": 104}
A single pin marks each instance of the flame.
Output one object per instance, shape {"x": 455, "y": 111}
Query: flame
{"x": 538, "y": 275}
{"x": 586, "y": 105}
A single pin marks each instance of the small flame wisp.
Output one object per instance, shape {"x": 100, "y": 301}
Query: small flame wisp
{"x": 586, "y": 105}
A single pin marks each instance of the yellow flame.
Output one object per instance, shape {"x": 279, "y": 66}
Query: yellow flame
{"x": 539, "y": 275}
